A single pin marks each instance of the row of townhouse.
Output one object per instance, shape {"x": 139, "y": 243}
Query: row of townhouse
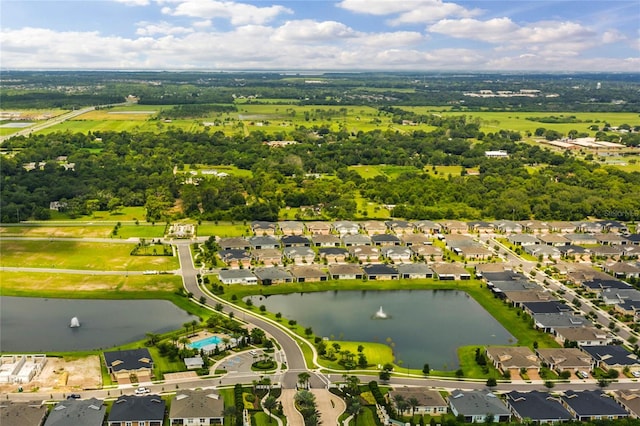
{"x": 535, "y": 406}
{"x": 373, "y": 227}
{"x": 187, "y": 407}
{"x": 348, "y": 271}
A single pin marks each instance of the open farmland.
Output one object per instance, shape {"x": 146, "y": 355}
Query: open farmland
{"x": 81, "y": 255}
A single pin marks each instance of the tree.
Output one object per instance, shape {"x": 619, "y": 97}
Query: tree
{"x": 413, "y": 403}
{"x": 426, "y": 369}
{"x": 308, "y": 331}
{"x": 303, "y": 379}
{"x": 153, "y": 338}
{"x": 459, "y": 373}
{"x": 269, "y": 404}
{"x": 549, "y": 384}
{"x": 354, "y": 408}
{"x": 492, "y": 382}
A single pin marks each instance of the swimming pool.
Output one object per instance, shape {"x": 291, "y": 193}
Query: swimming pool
{"x": 211, "y": 340}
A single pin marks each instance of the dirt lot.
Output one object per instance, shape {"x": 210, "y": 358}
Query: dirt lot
{"x": 64, "y": 376}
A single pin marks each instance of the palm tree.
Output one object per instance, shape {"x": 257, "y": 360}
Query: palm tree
{"x": 354, "y": 408}
{"x": 269, "y": 404}
{"x": 305, "y": 399}
{"x": 399, "y": 401}
{"x": 184, "y": 341}
{"x": 230, "y": 411}
{"x": 194, "y": 323}
{"x": 303, "y": 379}
{"x": 413, "y": 403}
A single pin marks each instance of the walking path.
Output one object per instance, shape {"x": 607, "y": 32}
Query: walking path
{"x": 294, "y": 418}
{"x": 329, "y": 412}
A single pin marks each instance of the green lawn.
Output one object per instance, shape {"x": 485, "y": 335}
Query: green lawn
{"x": 468, "y": 364}
{"x": 81, "y": 286}
{"x": 376, "y": 353}
{"x": 81, "y": 255}
{"x": 224, "y": 229}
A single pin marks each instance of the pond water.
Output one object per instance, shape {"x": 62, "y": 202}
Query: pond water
{"x": 43, "y": 325}
{"x": 422, "y": 326}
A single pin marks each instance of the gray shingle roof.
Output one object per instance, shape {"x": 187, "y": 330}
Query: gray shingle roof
{"x": 77, "y": 412}
{"x": 132, "y": 408}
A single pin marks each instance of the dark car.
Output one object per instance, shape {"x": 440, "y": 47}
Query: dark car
{"x": 74, "y": 396}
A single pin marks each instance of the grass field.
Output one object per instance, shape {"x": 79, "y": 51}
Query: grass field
{"x": 28, "y": 284}
{"x": 390, "y": 171}
{"x": 224, "y": 229}
{"x": 78, "y": 230}
{"x": 231, "y": 170}
{"x": 80, "y": 255}
{"x": 376, "y": 353}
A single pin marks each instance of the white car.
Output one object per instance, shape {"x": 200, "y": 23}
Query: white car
{"x": 636, "y": 374}
{"x": 142, "y": 391}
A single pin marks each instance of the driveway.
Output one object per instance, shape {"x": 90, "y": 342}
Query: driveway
{"x": 294, "y": 418}
{"x": 329, "y": 412}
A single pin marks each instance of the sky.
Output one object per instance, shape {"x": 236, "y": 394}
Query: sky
{"x": 315, "y": 35}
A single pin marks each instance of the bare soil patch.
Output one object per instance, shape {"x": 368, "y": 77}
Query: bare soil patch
{"x": 60, "y": 375}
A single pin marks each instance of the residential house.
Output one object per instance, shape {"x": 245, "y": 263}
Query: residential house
{"x": 346, "y": 272}
{"x": 295, "y": 241}
{"x": 414, "y": 270}
{"x": 260, "y": 227}
{"x": 138, "y": 410}
{"x": 535, "y": 226}
{"x": 599, "y": 285}
{"x": 350, "y": 240}
{"x": 269, "y": 256}
{"x": 237, "y": 243}
{"x": 513, "y": 359}
{"x": 364, "y": 253}
{"x": 562, "y": 227}
{"x": 622, "y": 270}
{"x": 383, "y": 240}
{"x": 474, "y": 252}
{"x": 400, "y": 227}
{"x": 508, "y": 227}
{"x": 380, "y": 272}
{"x": 429, "y": 401}
{"x": 630, "y": 401}
{"x": 290, "y": 227}
{"x": 264, "y": 242}
{"x": 613, "y": 252}
{"x": 31, "y": 413}
{"x": 76, "y": 412}
{"x": 500, "y": 287}
{"x": 318, "y": 228}
{"x": 613, "y": 226}
{"x": 373, "y": 227}
{"x": 505, "y": 275}
{"x": 555, "y": 240}
{"x": 454, "y": 241}
{"x": 633, "y": 239}
{"x": 397, "y": 254}
{"x": 537, "y": 407}
{"x": 427, "y": 226}
{"x": 333, "y": 254}
{"x": 307, "y": 274}
{"x": 481, "y": 227}
{"x": 581, "y": 239}
{"x": 300, "y": 255}
{"x": 613, "y": 357}
{"x": 450, "y": 271}
{"x": 583, "y": 336}
{"x": 523, "y": 240}
{"x": 197, "y": 408}
{"x": 235, "y": 258}
{"x": 565, "y": 359}
{"x": 325, "y": 240}
{"x": 481, "y": 268}
{"x": 418, "y": 239}
{"x": 519, "y": 297}
{"x": 546, "y": 307}
{"x": 345, "y": 227}
{"x": 273, "y": 275}
{"x": 588, "y": 227}
{"x": 615, "y": 296}
{"x": 427, "y": 252}
{"x": 592, "y": 405}
{"x": 129, "y": 366}
{"x": 455, "y": 227}
{"x": 475, "y": 406}
{"x": 610, "y": 239}
{"x": 549, "y": 323}
{"x": 237, "y": 276}
{"x": 544, "y": 252}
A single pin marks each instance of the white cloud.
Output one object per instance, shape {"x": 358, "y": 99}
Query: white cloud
{"x": 313, "y": 30}
{"x": 236, "y": 13}
{"x": 150, "y": 29}
{"x": 409, "y": 12}
{"x": 494, "y": 30}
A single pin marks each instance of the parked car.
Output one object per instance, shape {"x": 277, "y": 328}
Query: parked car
{"x": 636, "y": 374}
{"x": 142, "y": 391}
{"x": 74, "y": 396}
{"x": 582, "y": 374}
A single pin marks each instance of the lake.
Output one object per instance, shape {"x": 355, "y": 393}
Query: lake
{"x": 424, "y": 326}
{"x": 42, "y": 325}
